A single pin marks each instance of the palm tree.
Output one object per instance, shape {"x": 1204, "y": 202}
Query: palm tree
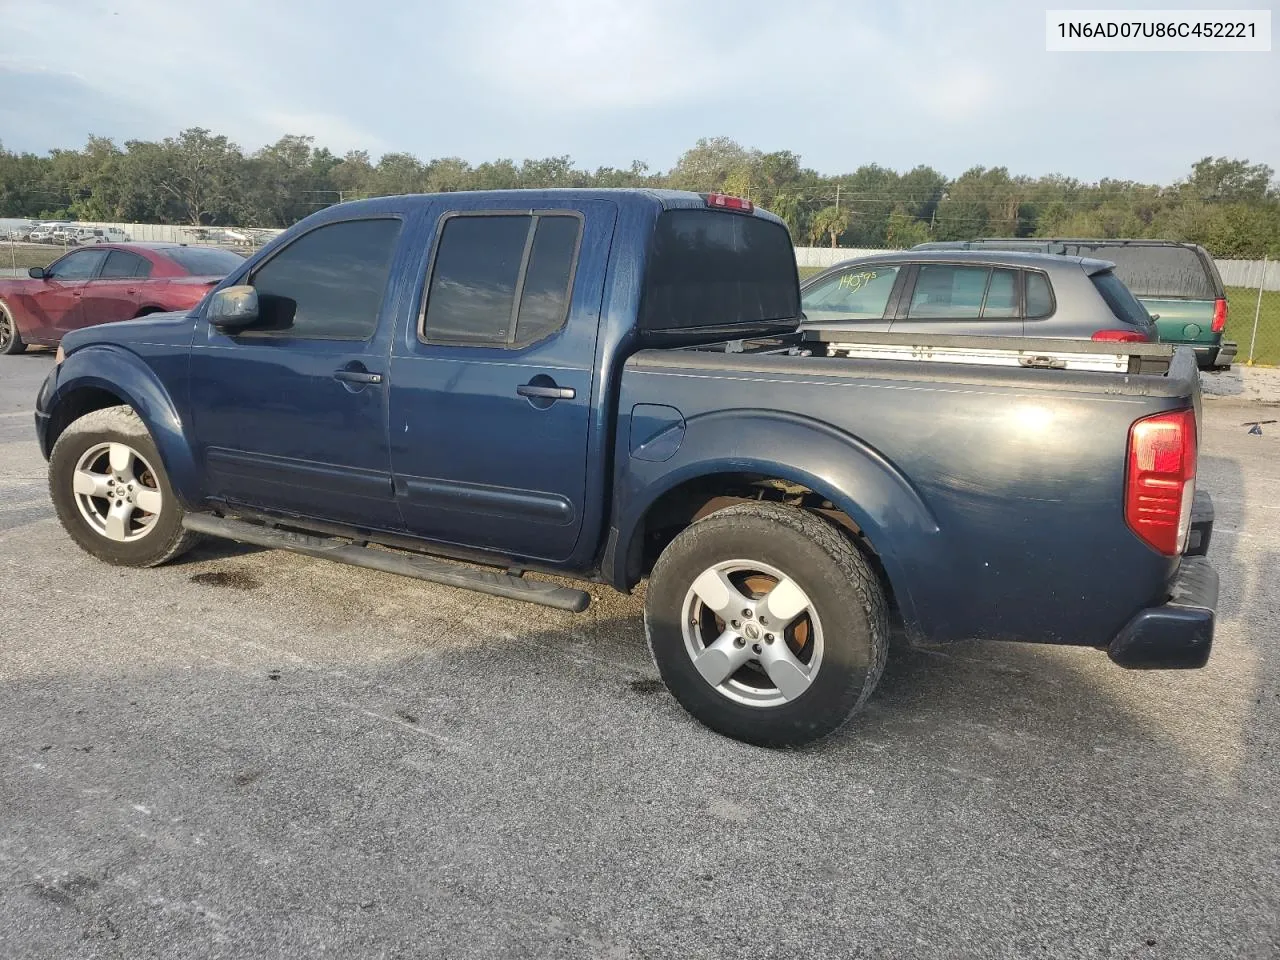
{"x": 831, "y": 221}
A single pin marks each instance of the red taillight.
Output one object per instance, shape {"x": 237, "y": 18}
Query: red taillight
{"x": 1161, "y": 480}
{"x": 726, "y": 202}
{"x": 1219, "y": 316}
{"x": 1120, "y": 336}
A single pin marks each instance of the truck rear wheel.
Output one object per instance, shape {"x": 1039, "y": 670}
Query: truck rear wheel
{"x": 112, "y": 494}
{"x": 767, "y": 624}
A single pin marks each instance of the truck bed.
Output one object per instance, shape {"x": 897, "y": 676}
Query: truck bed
{"x": 979, "y": 500}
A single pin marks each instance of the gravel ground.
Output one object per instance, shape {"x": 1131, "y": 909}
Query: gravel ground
{"x": 252, "y": 754}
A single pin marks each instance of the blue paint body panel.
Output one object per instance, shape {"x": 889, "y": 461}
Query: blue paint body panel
{"x": 992, "y": 498}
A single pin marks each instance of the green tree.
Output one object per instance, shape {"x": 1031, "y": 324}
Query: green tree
{"x": 830, "y": 222}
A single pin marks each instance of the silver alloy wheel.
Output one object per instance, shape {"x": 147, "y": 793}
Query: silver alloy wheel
{"x": 6, "y": 329}
{"x": 752, "y": 633}
{"x": 117, "y": 491}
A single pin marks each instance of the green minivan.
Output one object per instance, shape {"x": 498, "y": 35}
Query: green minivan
{"x": 1178, "y": 283}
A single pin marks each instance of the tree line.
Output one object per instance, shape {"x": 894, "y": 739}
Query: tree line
{"x": 1230, "y": 206}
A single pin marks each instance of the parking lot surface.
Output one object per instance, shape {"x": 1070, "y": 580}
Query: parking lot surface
{"x": 254, "y": 754}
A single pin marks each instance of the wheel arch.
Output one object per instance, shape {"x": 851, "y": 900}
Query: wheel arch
{"x": 811, "y": 465}
{"x": 101, "y": 376}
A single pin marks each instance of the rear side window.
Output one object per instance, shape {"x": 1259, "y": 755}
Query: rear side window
{"x": 861, "y": 293}
{"x": 485, "y": 265}
{"x": 1124, "y": 305}
{"x": 945, "y": 291}
{"x": 1176, "y": 272}
{"x": 122, "y": 264}
{"x": 1039, "y": 295}
{"x": 710, "y": 268}
{"x": 328, "y": 284}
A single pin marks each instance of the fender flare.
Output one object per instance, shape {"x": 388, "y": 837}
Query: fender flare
{"x": 855, "y": 477}
{"x": 115, "y": 370}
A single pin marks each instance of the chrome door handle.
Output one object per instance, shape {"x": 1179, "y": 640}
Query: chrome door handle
{"x": 546, "y": 393}
{"x": 357, "y": 376}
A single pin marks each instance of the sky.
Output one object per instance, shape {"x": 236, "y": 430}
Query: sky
{"x": 840, "y": 82}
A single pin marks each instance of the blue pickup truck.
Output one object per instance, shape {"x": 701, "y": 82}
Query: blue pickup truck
{"x": 611, "y": 385}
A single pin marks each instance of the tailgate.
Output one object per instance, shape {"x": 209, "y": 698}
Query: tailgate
{"x": 1182, "y": 321}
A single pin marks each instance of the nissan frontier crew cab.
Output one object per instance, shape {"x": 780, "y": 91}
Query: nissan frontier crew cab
{"x": 611, "y": 385}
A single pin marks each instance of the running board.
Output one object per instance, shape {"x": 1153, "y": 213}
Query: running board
{"x": 407, "y": 565}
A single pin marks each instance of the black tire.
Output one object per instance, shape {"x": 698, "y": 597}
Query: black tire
{"x": 10, "y": 338}
{"x": 164, "y": 538}
{"x": 843, "y": 590}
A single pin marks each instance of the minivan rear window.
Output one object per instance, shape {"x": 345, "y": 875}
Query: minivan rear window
{"x": 1122, "y": 302}
{"x": 711, "y": 268}
{"x": 1156, "y": 271}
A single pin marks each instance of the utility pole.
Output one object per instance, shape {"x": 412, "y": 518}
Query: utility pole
{"x": 837, "y": 196}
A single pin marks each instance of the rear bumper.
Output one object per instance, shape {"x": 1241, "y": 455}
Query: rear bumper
{"x": 1201, "y": 525}
{"x": 1178, "y": 634}
{"x": 1220, "y": 354}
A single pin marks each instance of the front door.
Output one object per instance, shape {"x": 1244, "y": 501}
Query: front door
{"x": 491, "y": 393}
{"x": 291, "y": 414}
{"x": 860, "y": 296}
{"x": 56, "y": 305}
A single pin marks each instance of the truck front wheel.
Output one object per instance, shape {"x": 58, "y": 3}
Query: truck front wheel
{"x": 112, "y": 494}
{"x": 767, "y": 624}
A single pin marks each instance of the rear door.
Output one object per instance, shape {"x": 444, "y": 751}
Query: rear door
{"x": 113, "y": 294}
{"x": 57, "y": 302}
{"x": 860, "y": 296}
{"x": 960, "y": 299}
{"x": 491, "y": 389}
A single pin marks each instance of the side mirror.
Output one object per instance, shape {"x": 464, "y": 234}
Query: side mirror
{"x": 233, "y": 308}
{"x": 36, "y": 273}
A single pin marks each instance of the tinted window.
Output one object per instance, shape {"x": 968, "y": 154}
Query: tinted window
{"x": 473, "y": 283}
{"x": 1122, "y": 302}
{"x": 948, "y": 291}
{"x": 1156, "y": 271}
{"x": 861, "y": 293}
{"x": 78, "y": 266}
{"x": 1039, "y": 296}
{"x": 328, "y": 284}
{"x": 544, "y": 300}
{"x": 1002, "y": 295}
{"x": 205, "y": 261}
{"x": 709, "y": 268}
{"x": 121, "y": 264}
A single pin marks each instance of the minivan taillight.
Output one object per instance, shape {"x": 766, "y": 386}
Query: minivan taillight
{"x": 1160, "y": 482}
{"x": 1120, "y": 336}
{"x": 1219, "y": 315}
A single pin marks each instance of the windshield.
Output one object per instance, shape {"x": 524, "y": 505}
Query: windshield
{"x": 709, "y": 268}
{"x": 205, "y": 261}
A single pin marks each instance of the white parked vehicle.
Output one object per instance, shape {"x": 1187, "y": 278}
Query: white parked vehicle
{"x": 85, "y": 235}
{"x": 50, "y": 231}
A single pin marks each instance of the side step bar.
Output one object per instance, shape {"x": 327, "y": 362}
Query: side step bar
{"x": 405, "y": 564}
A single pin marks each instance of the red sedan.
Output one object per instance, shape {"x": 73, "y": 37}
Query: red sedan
{"x": 110, "y": 281}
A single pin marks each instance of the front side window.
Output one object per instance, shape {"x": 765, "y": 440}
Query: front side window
{"x": 950, "y": 292}
{"x": 81, "y": 265}
{"x": 486, "y": 265}
{"x": 861, "y": 293}
{"x": 329, "y": 283}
